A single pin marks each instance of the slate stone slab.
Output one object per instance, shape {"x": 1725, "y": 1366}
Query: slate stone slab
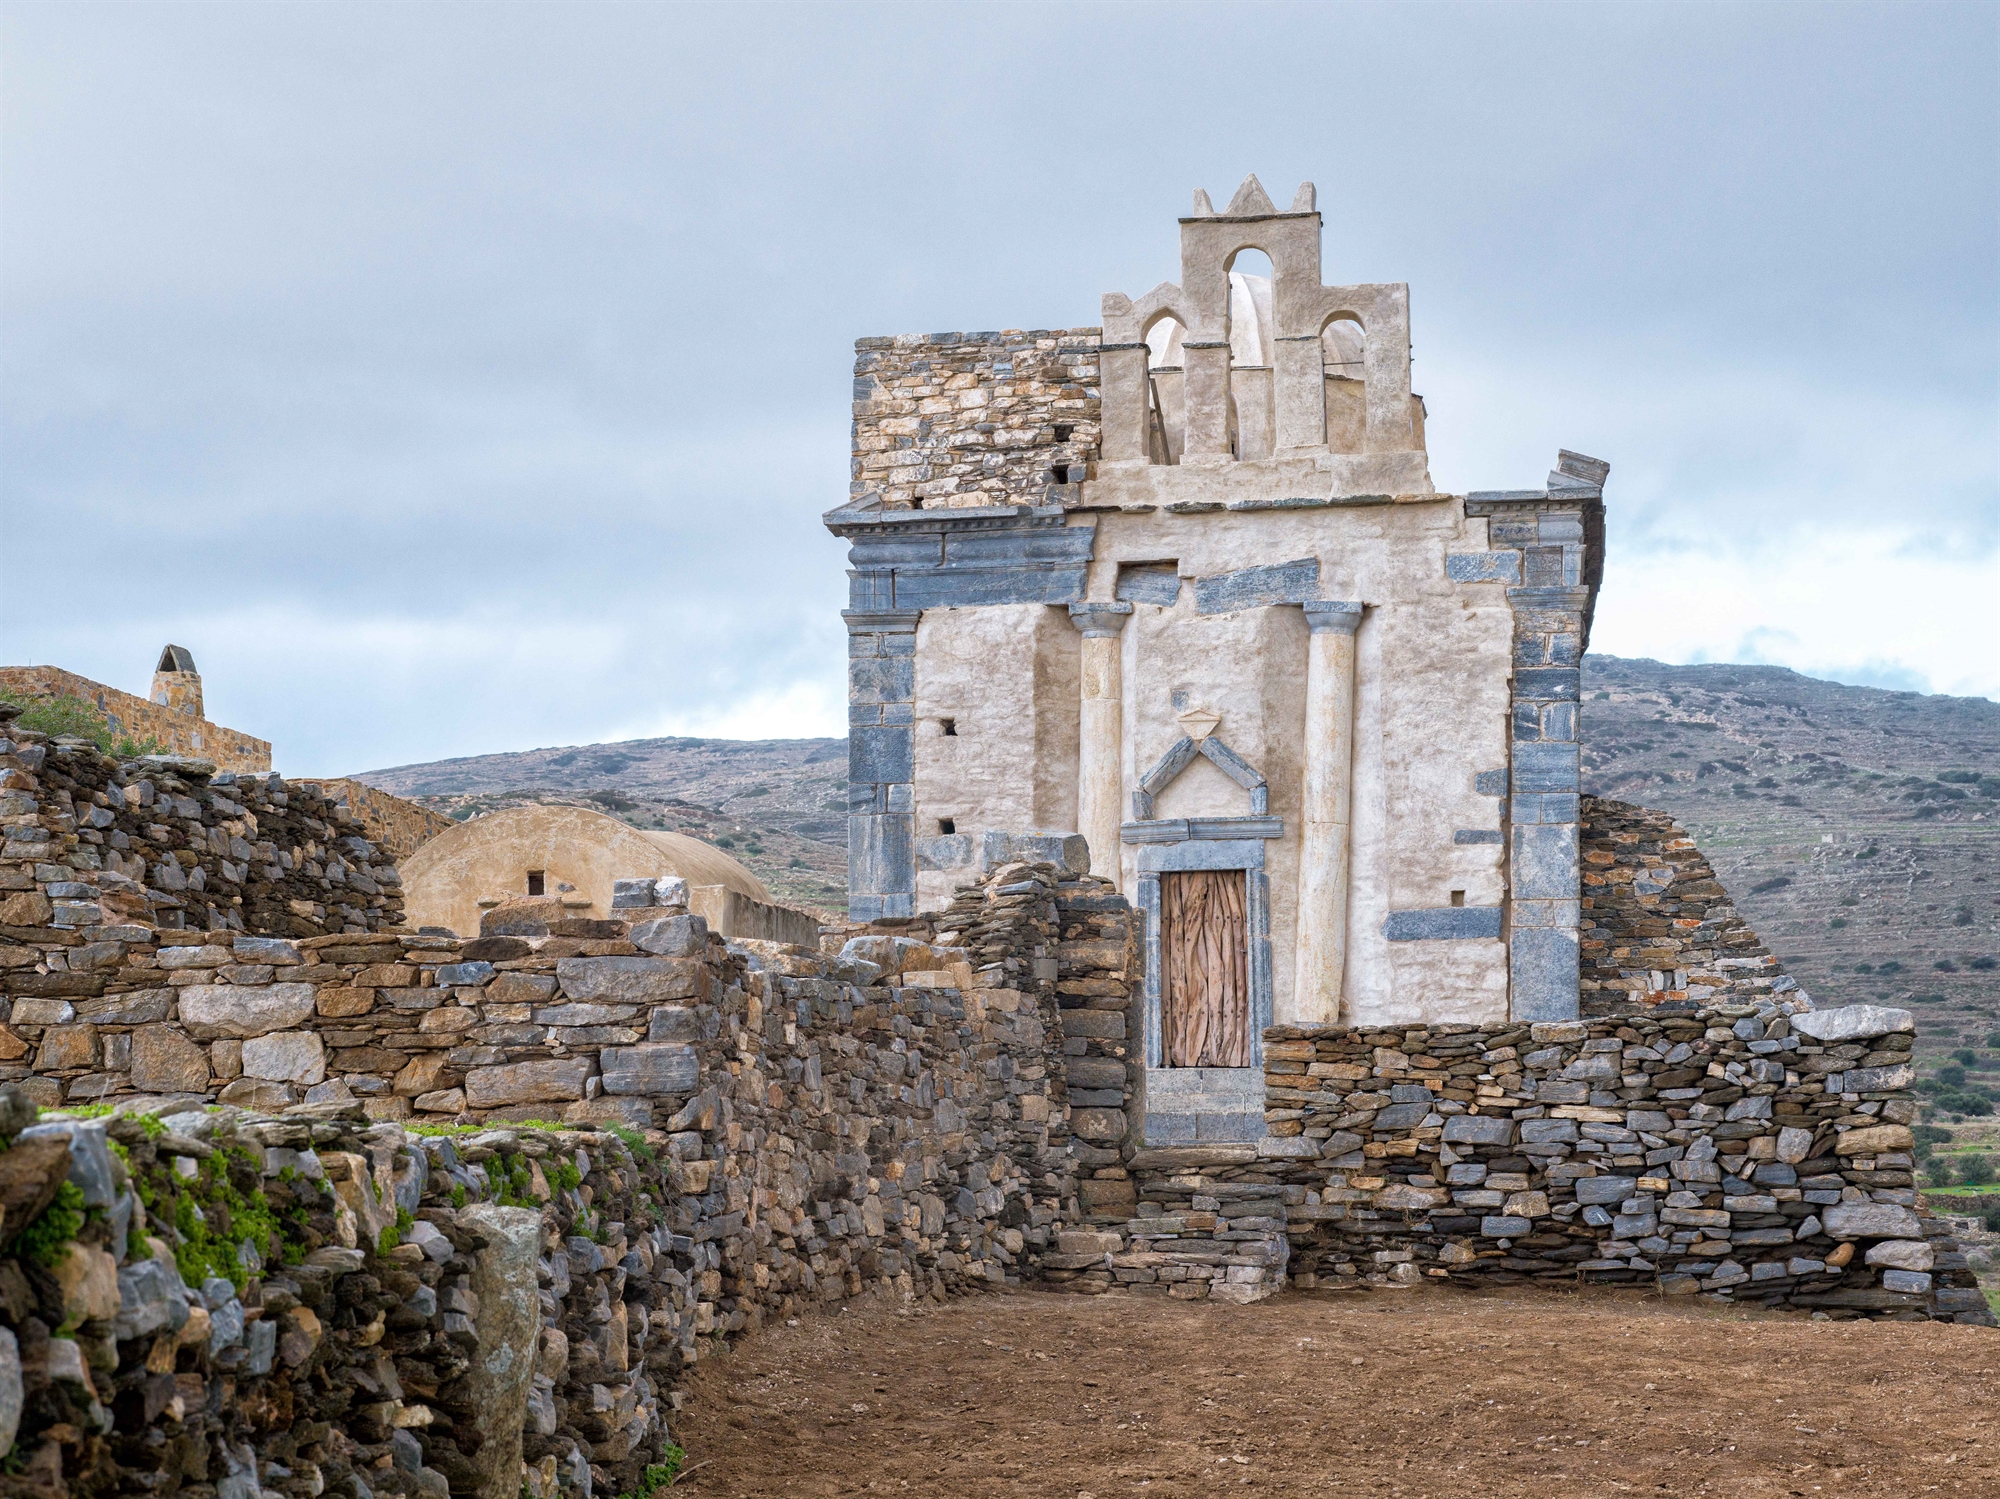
{"x": 1442, "y": 924}
{"x": 1483, "y": 567}
{"x": 1254, "y": 587}
{"x": 650, "y": 1068}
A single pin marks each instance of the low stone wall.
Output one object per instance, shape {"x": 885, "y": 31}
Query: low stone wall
{"x": 173, "y": 726}
{"x": 734, "y": 914}
{"x": 162, "y": 842}
{"x": 397, "y": 827}
{"x": 1657, "y": 925}
{"x": 1756, "y": 1152}
{"x": 892, "y": 1119}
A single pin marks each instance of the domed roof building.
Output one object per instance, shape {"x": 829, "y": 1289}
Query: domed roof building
{"x": 574, "y": 854}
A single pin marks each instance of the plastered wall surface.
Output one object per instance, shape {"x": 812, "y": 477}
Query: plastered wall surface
{"x": 448, "y": 877}
{"x": 1431, "y": 714}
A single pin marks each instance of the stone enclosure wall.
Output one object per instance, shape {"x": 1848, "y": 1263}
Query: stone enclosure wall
{"x": 166, "y": 842}
{"x": 1758, "y": 1152}
{"x": 179, "y": 727}
{"x": 973, "y": 419}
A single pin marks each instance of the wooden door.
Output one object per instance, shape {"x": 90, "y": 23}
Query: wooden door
{"x": 1205, "y": 968}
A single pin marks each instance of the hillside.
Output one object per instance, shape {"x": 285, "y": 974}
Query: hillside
{"x": 1858, "y": 829}
{"x": 779, "y": 805}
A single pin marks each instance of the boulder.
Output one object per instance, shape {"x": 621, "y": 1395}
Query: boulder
{"x": 31, "y": 1173}
{"x": 11, "y": 1393}
{"x": 89, "y": 1280}
{"x": 90, "y": 1165}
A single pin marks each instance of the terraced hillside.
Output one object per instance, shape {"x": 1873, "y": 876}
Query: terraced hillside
{"x": 1858, "y": 829}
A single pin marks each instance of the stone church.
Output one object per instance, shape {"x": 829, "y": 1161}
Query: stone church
{"x": 1182, "y": 584}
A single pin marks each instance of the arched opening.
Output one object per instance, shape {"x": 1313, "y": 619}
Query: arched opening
{"x": 1252, "y": 404}
{"x": 1166, "y": 390}
{"x": 1343, "y": 353}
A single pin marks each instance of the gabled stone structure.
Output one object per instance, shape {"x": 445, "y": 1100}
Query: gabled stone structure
{"x": 1183, "y": 585}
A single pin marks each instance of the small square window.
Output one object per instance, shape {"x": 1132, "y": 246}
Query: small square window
{"x": 535, "y": 882}
{"x": 947, "y": 825}
{"x": 948, "y": 727}
{"x": 1458, "y": 897}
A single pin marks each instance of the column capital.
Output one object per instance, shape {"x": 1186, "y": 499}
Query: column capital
{"x": 881, "y": 621}
{"x": 1099, "y": 620}
{"x": 1328, "y": 614}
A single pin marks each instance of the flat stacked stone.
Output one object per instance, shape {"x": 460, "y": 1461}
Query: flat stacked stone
{"x": 1657, "y": 925}
{"x": 1758, "y": 1152}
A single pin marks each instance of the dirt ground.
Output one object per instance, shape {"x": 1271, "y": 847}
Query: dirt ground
{"x": 1429, "y": 1394}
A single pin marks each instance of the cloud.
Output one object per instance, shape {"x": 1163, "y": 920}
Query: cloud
{"x": 454, "y": 385}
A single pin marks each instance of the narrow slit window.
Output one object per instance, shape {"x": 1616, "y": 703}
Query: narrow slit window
{"x": 535, "y": 883}
{"x": 947, "y": 825}
{"x": 948, "y": 727}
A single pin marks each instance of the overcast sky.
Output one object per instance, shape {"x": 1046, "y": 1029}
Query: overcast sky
{"x": 462, "y": 378}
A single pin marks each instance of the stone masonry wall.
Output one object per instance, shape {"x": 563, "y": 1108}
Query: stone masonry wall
{"x": 179, "y": 730}
{"x": 973, "y": 419}
{"x": 892, "y": 1119}
{"x": 1657, "y": 925}
{"x": 1758, "y": 1152}
{"x": 396, "y": 826}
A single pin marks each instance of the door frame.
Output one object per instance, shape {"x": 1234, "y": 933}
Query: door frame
{"x": 1246, "y": 854}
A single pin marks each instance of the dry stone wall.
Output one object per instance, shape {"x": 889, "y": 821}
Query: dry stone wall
{"x": 164, "y": 842}
{"x": 949, "y": 420}
{"x": 1657, "y": 925}
{"x": 1758, "y": 1152}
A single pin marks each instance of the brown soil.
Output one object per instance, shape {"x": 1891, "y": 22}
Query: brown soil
{"x": 1423, "y": 1393}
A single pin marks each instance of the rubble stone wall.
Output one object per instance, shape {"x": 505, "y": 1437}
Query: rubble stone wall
{"x": 165, "y": 842}
{"x": 1657, "y": 925}
{"x": 396, "y": 826}
{"x": 948, "y": 420}
{"x": 1760, "y": 1152}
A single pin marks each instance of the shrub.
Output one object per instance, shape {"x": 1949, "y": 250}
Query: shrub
{"x": 73, "y": 716}
{"x": 1984, "y": 965}
{"x": 1951, "y": 1075}
{"x": 1966, "y": 1055}
{"x": 1937, "y": 1171}
{"x": 62, "y": 1220}
{"x": 1945, "y": 965}
{"x": 1838, "y": 922}
{"x": 1975, "y": 1168}
{"x": 1892, "y": 966}
{"x": 1993, "y": 1040}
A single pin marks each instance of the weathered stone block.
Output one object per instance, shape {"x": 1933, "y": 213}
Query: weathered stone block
{"x": 1478, "y": 1129}
{"x": 165, "y": 1061}
{"x": 285, "y": 1057}
{"x": 212, "y": 1011}
{"x": 632, "y": 980}
{"x": 650, "y": 1068}
{"x": 1871, "y": 1220}
{"x": 1853, "y": 1023}
{"x": 558, "y": 1079}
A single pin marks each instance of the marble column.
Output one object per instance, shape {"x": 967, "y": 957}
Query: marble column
{"x": 1100, "y": 780}
{"x": 1324, "y": 850}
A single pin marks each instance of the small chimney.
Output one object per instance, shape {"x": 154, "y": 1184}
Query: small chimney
{"x": 176, "y": 684}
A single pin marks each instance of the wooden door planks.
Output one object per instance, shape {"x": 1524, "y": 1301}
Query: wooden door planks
{"x": 1205, "y": 968}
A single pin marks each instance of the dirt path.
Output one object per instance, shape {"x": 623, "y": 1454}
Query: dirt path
{"x": 1430, "y": 1396}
